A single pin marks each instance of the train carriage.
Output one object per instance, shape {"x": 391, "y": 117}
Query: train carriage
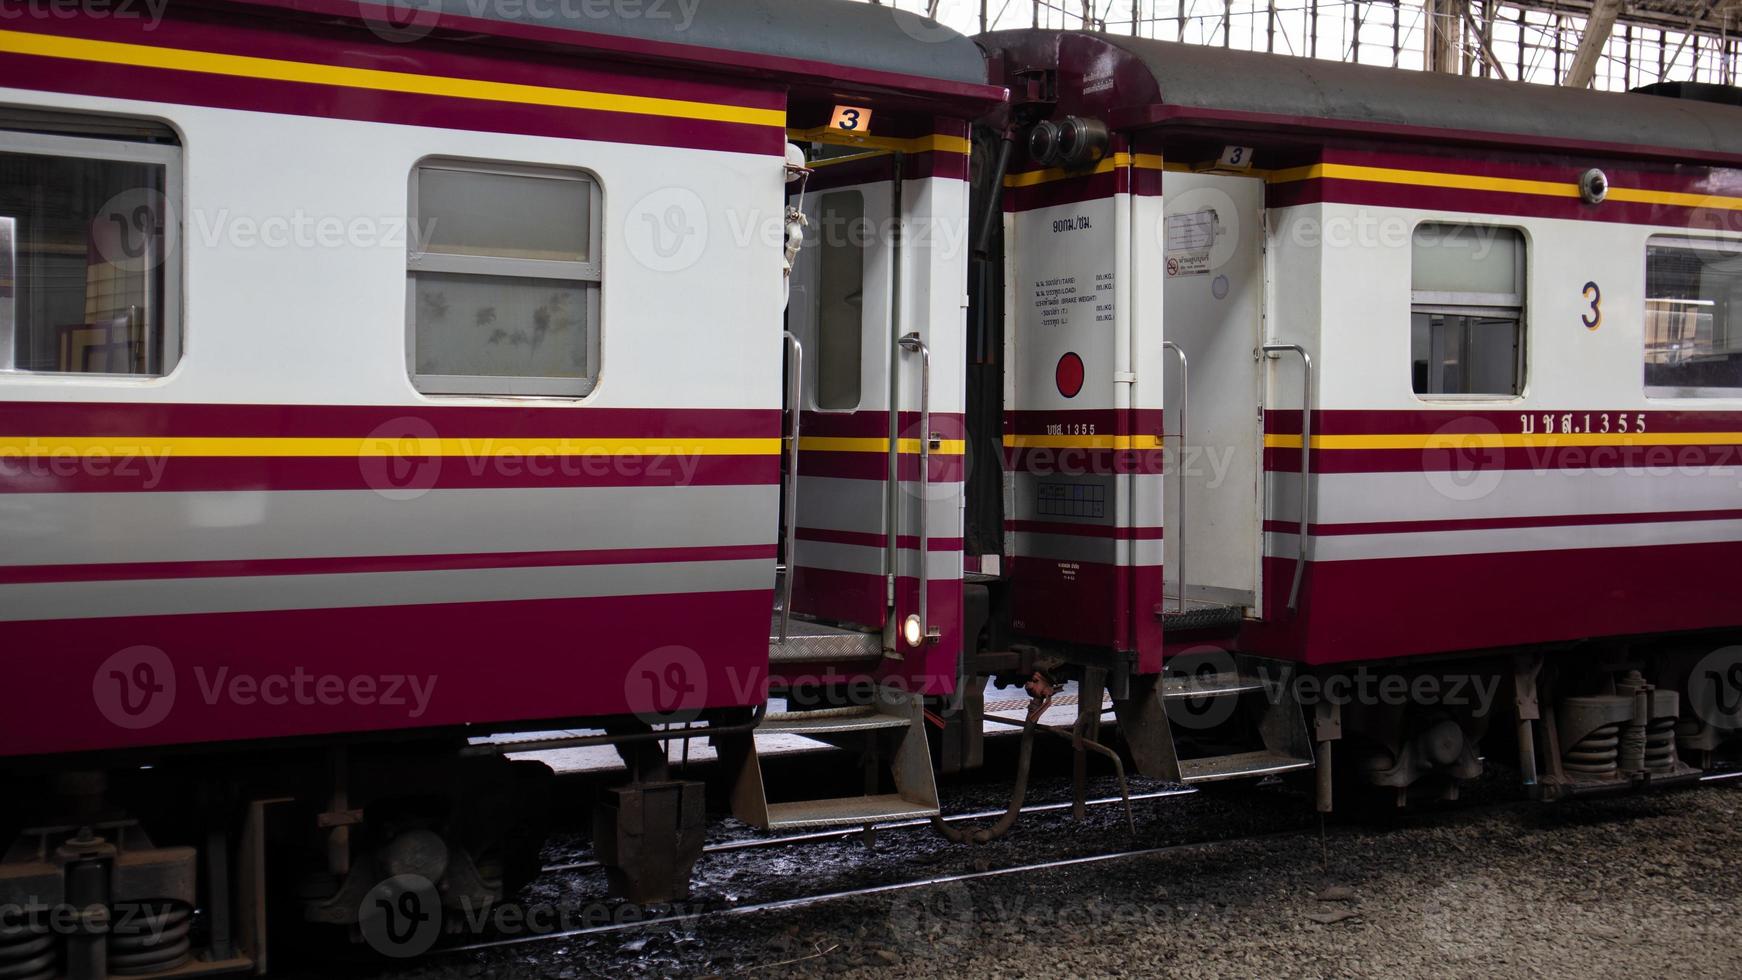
{"x": 379, "y": 379}
{"x": 1503, "y": 320}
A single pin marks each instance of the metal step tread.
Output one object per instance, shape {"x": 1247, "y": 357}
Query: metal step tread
{"x": 845, "y": 810}
{"x": 1208, "y": 685}
{"x": 1199, "y": 617}
{"x": 1239, "y": 765}
{"x": 830, "y": 720}
{"x": 808, "y": 642}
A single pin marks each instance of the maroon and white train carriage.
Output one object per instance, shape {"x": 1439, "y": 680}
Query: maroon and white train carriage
{"x": 294, "y": 500}
{"x": 1513, "y": 318}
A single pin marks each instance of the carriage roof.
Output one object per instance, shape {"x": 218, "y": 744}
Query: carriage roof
{"x": 1154, "y": 81}
{"x": 819, "y": 41}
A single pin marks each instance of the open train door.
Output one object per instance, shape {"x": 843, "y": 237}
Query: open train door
{"x": 1213, "y": 320}
{"x": 842, "y": 520}
{"x": 841, "y": 313}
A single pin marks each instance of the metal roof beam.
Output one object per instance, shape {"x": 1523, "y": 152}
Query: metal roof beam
{"x": 1598, "y": 27}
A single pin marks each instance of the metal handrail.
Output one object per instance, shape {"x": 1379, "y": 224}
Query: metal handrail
{"x": 911, "y": 343}
{"x": 789, "y": 520}
{"x": 1306, "y": 444}
{"x": 1179, "y": 536}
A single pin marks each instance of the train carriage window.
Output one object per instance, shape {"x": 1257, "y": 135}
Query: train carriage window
{"x": 1693, "y": 317}
{"x": 1467, "y": 312}
{"x": 89, "y": 248}
{"x": 502, "y": 290}
{"x": 841, "y": 237}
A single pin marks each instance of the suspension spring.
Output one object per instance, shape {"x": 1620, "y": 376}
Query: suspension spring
{"x": 1598, "y": 753}
{"x": 1660, "y": 744}
{"x": 26, "y": 951}
{"x": 149, "y": 936}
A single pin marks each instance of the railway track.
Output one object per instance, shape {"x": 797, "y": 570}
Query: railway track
{"x": 821, "y": 836}
{"x": 1299, "y": 834}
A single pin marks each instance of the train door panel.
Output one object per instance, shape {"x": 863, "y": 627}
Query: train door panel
{"x": 1214, "y": 312}
{"x": 839, "y": 310}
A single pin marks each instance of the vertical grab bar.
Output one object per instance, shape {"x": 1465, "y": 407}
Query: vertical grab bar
{"x": 789, "y": 520}
{"x": 1306, "y": 444}
{"x": 1179, "y": 535}
{"x": 911, "y": 343}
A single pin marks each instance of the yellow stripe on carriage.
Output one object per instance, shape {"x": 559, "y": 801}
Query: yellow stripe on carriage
{"x": 275, "y": 69}
{"x": 934, "y": 143}
{"x": 1506, "y": 440}
{"x": 1142, "y": 161}
{"x": 205, "y": 446}
{"x": 1507, "y": 185}
{"x": 845, "y": 444}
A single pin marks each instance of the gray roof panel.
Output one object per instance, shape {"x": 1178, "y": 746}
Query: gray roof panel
{"x": 1364, "y": 97}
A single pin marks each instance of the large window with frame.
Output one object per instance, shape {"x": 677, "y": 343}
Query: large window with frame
{"x": 1693, "y": 317}
{"x": 89, "y": 248}
{"x": 1467, "y": 314}
{"x": 502, "y": 279}
{"x": 842, "y": 238}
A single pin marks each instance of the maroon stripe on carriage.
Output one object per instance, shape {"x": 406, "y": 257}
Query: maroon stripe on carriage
{"x": 1495, "y": 600}
{"x": 297, "y": 98}
{"x": 222, "y": 32}
{"x": 1085, "y": 530}
{"x": 1330, "y": 190}
{"x": 1487, "y": 422}
{"x": 1505, "y": 523}
{"x": 1075, "y": 461}
{"x": 347, "y": 565}
{"x": 869, "y": 539}
{"x": 220, "y": 419}
{"x": 117, "y": 80}
{"x": 717, "y": 639}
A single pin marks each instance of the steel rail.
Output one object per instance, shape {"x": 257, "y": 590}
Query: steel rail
{"x": 842, "y": 834}
{"x": 805, "y": 901}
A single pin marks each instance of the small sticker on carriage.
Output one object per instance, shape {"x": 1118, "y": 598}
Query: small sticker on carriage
{"x": 1191, "y": 237}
